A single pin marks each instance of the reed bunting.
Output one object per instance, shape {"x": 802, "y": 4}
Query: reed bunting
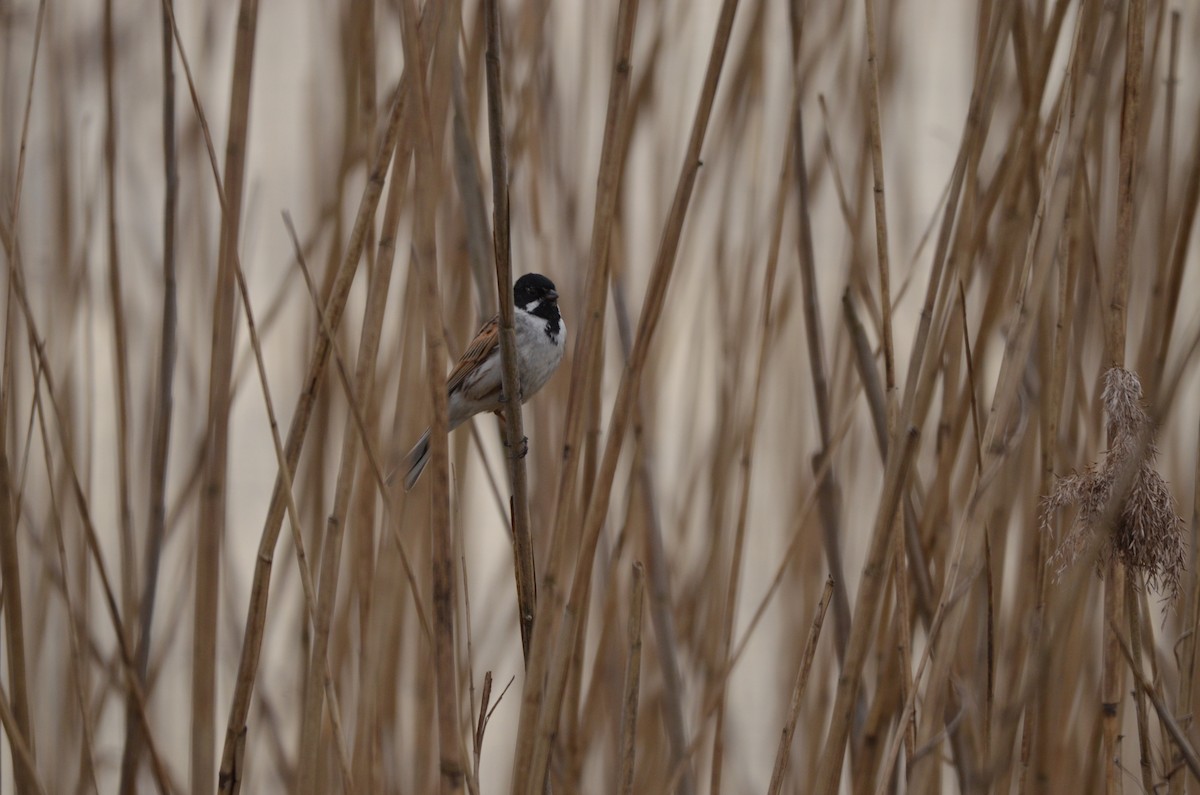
{"x": 474, "y": 385}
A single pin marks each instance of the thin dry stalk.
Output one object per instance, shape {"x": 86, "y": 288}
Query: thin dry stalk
{"x": 1139, "y": 698}
{"x": 1187, "y": 642}
{"x": 116, "y": 299}
{"x": 866, "y": 609}
{"x": 829, "y": 490}
{"x": 21, "y": 751}
{"x": 783, "y": 755}
{"x": 26, "y": 773}
{"x": 1183, "y": 745}
{"x": 14, "y": 626}
{"x": 633, "y": 672}
{"x": 452, "y": 770}
{"x": 161, "y": 431}
{"x": 881, "y": 230}
{"x": 1113, "y": 680}
{"x": 211, "y": 527}
{"x": 514, "y": 424}
{"x": 1183, "y": 235}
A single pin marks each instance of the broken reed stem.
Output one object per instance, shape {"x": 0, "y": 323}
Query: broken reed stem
{"x": 514, "y": 424}
{"x": 633, "y": 667}
{"x": 783, "y": 755}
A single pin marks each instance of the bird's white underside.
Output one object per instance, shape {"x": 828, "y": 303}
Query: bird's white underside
{"x": 538, "y": 357}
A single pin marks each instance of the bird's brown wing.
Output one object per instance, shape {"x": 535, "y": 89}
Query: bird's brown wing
{"x": 476, "y": 353}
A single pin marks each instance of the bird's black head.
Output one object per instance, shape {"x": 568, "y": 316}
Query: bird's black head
{"x": 534, "y": 288}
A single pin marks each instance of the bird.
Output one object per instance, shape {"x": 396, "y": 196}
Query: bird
{"x": 474, "y": 385}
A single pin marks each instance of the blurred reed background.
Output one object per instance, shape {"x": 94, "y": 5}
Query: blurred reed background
{"x": 860, "y": 340}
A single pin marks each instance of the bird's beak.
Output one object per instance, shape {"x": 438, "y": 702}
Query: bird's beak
{"x": 552, "y": 295}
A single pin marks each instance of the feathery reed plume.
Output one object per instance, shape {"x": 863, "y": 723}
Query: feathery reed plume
{"x": 1148, "y": 536}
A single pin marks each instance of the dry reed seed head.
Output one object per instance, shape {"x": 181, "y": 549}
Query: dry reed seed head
{"x": 1123, "y": 403}
{"x": 1148, "y": 536}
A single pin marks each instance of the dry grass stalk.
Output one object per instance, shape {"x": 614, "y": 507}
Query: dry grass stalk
{"x": 789, "y": 727}
{"x": 633, "y": 673}
{"x": 213, "y": 509}
{"x": 164, "y": 405}
{"x": 514, "y": 423}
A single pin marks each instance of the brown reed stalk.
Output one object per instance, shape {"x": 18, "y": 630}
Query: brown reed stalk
{"x": 14, "y": 614}
{"x": 25, "y": 774}
{"x": 866, "y": 607}
{"x": 829, "y": 490}
{"x": 633, "y": 668}
{"x": 163, "y": 407}
{"x": 211, "y": 526}
{"x": 783, "y": 755}
{"x": 451, "y": 767}
{"x": 1112, "y": 686}
{"x": 514, "y": 425}
{"x": 117, "y": 301}
{"x": 21, "y": 751}
{"x": 585, "y": 378}
{"x": 881, "y": 228}
{"x": 1187, "y": 642}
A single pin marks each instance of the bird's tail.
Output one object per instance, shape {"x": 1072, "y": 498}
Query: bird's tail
{"x": 415, "y": 461}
